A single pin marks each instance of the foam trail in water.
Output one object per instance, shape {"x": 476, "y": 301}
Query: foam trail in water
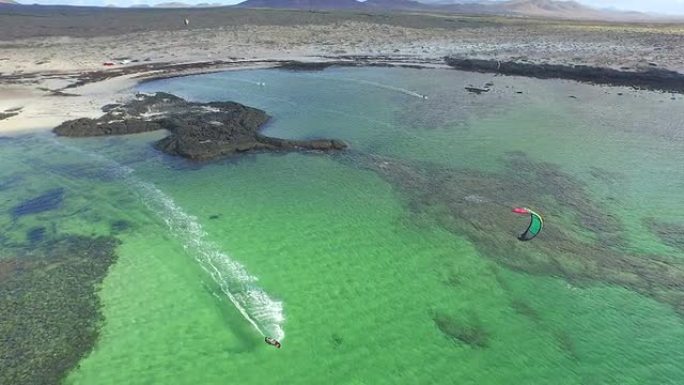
{"x": 261, "y": 84}
{"x": 388, "y": 87}
{"x": 255, "y": 305}
{"x": 379, "y": 85}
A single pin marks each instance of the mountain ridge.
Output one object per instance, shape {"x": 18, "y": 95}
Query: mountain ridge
{"x": 558, "y": 9}
{"x": 551, "y": 9}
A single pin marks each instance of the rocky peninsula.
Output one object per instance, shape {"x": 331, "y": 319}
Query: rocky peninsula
{"x": 651, "y": 78}
{"x": 198, "y": 131}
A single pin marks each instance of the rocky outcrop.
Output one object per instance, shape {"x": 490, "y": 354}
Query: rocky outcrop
{"x": 197, "y": 130}
{"x": 295, "y": 65}
{"x": 651, "y": 78}
{"x": 85, "y": 127}
{"x": 476, "y": 90}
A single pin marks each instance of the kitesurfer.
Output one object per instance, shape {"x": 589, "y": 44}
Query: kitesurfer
{"x": 272, "y": 341}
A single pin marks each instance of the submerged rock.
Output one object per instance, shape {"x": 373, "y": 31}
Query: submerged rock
{"x": 198, "y": 130}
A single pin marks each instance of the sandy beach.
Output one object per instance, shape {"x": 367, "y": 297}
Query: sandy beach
{"x": 57, "y": 72}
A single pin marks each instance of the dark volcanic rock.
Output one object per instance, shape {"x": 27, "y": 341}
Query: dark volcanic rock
{"x": 198, "y": 130}
{"x": 87, "y": 127}
{"x": 5, "y": 115}
{"x": 476, "y": 90}
{"x": 652, "y": 78}
{"x": 313, "y": 66}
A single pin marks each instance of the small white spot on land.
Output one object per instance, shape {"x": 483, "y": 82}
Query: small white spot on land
{"x": 211, "y": 109}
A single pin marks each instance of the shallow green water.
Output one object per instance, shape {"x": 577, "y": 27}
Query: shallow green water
{"x": 357, "y": 276}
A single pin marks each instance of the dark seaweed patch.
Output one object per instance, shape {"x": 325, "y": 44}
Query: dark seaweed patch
{"x": 50, "y": 310}
{"x": 453, "y": 280}
{"x": 470, "y": 332}
{"x": 606, "y": 176}
{"x": 120, "y": 226}
{"x": 10, "y": 182}
{"x": 566, "y": 344}
{"x": 84, "y": 171}
{"x": 50, "y": 200}
{"x": 35, "y": 234}
{"x": 77, "y": 170}
{"x": 523, "y": 308}
{"x": 671, "y": 234}
{"x": 499, "y": 278}
{"x": 582, "y": 241}
{"x": 336, "y": 340}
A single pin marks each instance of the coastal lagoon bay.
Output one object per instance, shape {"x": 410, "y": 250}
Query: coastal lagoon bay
{"x": 392, "y": 262}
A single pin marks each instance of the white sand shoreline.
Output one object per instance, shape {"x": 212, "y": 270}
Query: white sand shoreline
{"x": 41, "y": 111}
{"x": 32, "y": 69}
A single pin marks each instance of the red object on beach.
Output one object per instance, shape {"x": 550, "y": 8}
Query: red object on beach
{"x": 108, "y": 64}
{"x": 521, "y": 210}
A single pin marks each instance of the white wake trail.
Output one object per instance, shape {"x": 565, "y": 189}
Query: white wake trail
{"x": 378, "y": 85}
{"x": 387, "y": 87}
{"x": 263, "y": 312}
{"x": 260, "y": 84}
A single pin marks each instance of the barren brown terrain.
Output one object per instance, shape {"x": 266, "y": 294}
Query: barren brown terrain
{"x": 45, "y": 49}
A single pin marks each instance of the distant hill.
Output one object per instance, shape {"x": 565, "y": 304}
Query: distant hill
{"x": 396, "y": 4}
{"x": 533, "y": 7}
{"x": 551, "y": 8}
{"x": 173, "y": 5}
{"x": 568, "y": 10}
{"x": 530, "y": 8}
{"x": 339, "y": 4}
{"x": 558, "y": 9}
{"x": 302, "y": 4}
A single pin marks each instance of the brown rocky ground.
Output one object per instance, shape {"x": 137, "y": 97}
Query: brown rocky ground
{"x": 44, "y": 49}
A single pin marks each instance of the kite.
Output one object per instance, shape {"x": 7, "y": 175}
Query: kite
{"x": 535, "y": 226}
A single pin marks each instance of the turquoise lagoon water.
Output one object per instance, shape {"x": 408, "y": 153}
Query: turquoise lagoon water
{"x": 325, "y": 253}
